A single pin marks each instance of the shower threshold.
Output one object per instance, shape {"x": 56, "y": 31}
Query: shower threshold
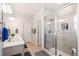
{"x": 59, "y": 52}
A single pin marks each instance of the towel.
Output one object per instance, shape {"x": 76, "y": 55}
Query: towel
{"x": 4, "y": 34}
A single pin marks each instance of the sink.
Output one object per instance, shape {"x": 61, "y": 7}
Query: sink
{"x": 13, "y": 41}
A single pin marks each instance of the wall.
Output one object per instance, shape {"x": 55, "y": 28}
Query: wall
{"x": 27, "y": 28}
{"x": 0, "y": 31}
{"x": 38, "y": 16}
{"x": 13, "y": 24}
{"x": 23, "y": 23}
{"x": 9, "y": 23}
{"x": 24, "y": 26}
{"x": 77, "y": 27}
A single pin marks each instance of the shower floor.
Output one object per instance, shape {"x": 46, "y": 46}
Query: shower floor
{"x": 59, "y": 52}
{"x": 41, "y": 53}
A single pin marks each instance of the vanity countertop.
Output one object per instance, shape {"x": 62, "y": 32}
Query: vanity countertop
{"x": 16, "y": 40}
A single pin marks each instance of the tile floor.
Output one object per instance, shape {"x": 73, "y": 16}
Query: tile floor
{"x": 32, "y": 48}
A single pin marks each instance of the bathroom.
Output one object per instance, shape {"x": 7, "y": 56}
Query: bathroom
{"x": 34, "y": 28}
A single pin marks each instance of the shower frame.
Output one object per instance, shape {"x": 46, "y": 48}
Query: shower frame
{"x": 55, "y": 33}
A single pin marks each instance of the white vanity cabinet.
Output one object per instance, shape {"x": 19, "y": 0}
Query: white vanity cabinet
{"x": 8, "y": 51}
{"x": 15, "y": 46}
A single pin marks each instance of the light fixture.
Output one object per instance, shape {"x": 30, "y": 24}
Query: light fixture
{"x": 9, "y": 9}
{"x": 61, "y": 20}
{"x": 11, "y": 18}
{"x": 6, "y": 8}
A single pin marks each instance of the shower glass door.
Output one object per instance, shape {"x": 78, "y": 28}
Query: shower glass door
{"x": 39, "y": 41}
{"x": 60, "y": 35}
{"x": 49, "y": 39}
{"x": 66, "y": 35}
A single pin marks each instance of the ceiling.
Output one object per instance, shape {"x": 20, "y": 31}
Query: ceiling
{"x": 32, "y": 8}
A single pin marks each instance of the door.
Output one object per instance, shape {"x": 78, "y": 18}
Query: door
{"x": 39, "y": 32}
{"x": 66, "y": 35}
{"x": 49, "y": 38}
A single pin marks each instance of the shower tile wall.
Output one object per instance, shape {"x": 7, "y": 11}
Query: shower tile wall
{"x": 66, "y": 39}
{"x": 49, "y": 37}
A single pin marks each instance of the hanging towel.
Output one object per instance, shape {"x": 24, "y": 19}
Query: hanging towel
{"x": 4, "y": 34}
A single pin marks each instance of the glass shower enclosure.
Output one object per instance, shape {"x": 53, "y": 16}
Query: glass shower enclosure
{"x": 60, "y": 35}
{"x": 49, "y": 34}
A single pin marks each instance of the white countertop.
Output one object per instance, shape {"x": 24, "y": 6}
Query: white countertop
{"x": 15, "y": 41}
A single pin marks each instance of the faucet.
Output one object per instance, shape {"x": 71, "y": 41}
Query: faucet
{"x": 9, "y": 39}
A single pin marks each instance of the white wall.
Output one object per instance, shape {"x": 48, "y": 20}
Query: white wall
{"x": 36, "y": 17}
{"x": 40, "y": 16}
{"x": 19, "y": 22}
{"x": 24, "y": 26}
{"x": 10, "y": 23}
{"x": 0, "y": 32}
{"x": 77, "y": 27}
{"x": 14, "y": 24}
{"x": 23, "y": 23}
{"x": 27, "y": 28}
